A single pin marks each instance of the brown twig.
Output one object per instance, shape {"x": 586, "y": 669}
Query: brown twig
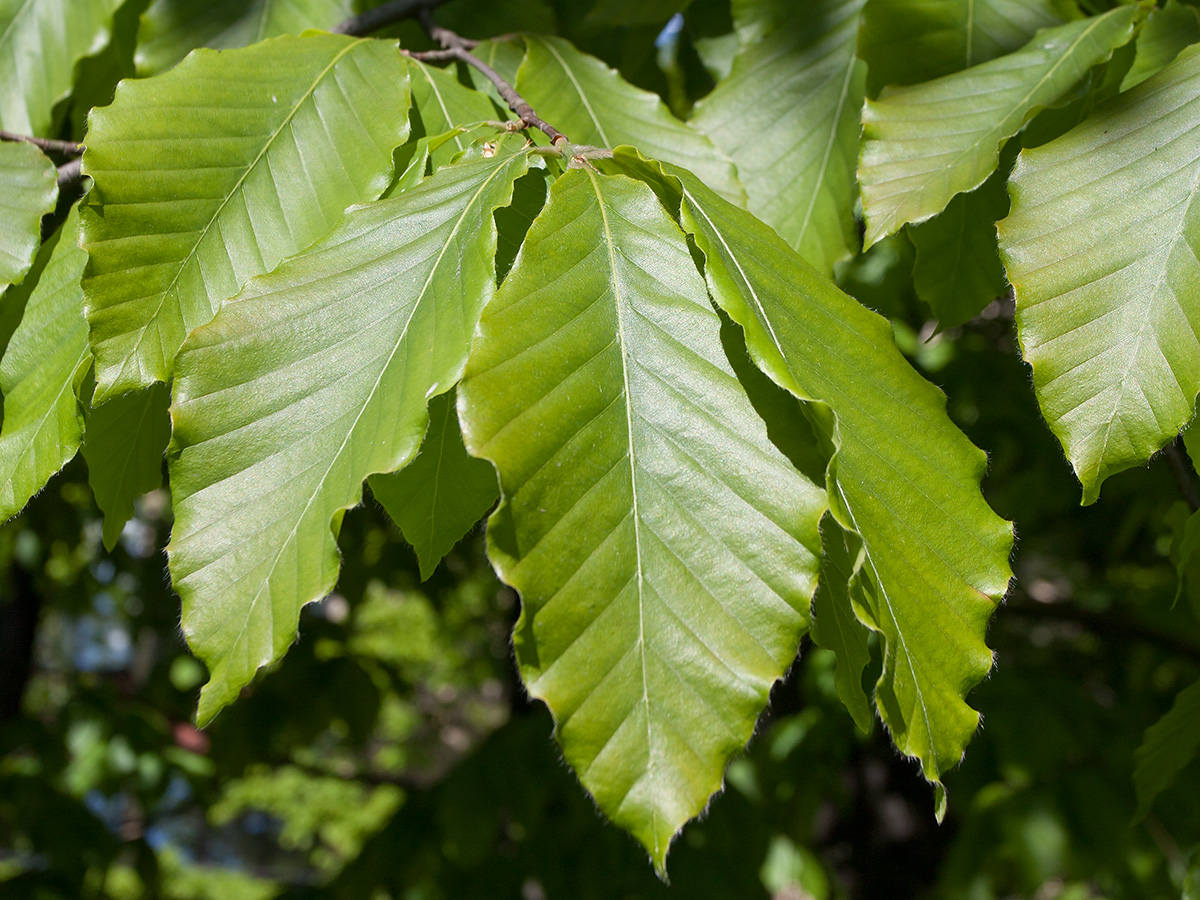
{"x": 69, "y": 173}
{"x": 457, "y": 47}
{"x": 1183, "y": 478}
{"x": 63, "y": 148}
{"x": 1112, "y": 626}
{"x": 384, "y": 15}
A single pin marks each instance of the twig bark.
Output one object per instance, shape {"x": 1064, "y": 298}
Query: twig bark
{"x": 1107, "y": 625}
{"x": 69, "y": 173}
{"x": 457, "y": 47}
{"x": 63, "y": 148}
{"x": 384, "y": 15}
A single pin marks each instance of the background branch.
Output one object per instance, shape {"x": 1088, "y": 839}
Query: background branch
{"x": 65, "y": 148}
{"x": 384, "y": 15}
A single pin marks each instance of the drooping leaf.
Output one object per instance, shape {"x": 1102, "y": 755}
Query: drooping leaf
{"x": 1101, "y": 248}
{"x": 40, "y": 43}
{"x": 910, "y": 41}
{"x": 664, "y": 549}
{"x": 43, "y": 366}
{"x": 445, "y": 105}
{"x": 173, "y": 28}
{"x": 315, "y": 377}
{"x": 440, "y": 495}
{"x": 924, "y": 144}
{"x": 28, "y": 190}
{"x": 958, "y": 270}
{"x": 214, "y": 171}
{"x": 1167, "y": 31}
{"x": 903, "y": 477}
{"x": 124, "y": 446}
{"x": 799, "y": 93}
{"x": 592, "y": 104}
{"x": 1169, "y": 745}
{"x": 834, "y": 625}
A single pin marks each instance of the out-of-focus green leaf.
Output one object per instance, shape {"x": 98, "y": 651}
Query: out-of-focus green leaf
{"x": 28, "y": 190}
{"x": 610, "y": 13}
{"x": 124, "y": 445}
{"x": 903, "y": 477}
{"x": 445, "y": 105}
{"x": 40, "y": 43}
{"x": 173, "y": 28}
{"x": 484, "y": 19}
{"x": 1167, "y": 31}
{"x": 834, "y": 625}
{"x": 664, "y": 549}
{"x": 43, "y": 367}
{"x": 1169, "y": 745}
{"x": 910, "y": 41}
{"x": 958, "y": 270}
{"x": 924, "y": 144}
{"x": 315, "y": 377}
{"x": 788, "y": 117}
{"x": 441, "y": 494}
{"x": 214, "y": 171}
{"x": 592, "y": 104}
{"x": 1101, "y": 249}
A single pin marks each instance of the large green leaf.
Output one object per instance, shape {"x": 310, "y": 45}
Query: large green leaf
{"x": 799, "y": 92}
{"x": 1170, "y": 744}
{"x": 315, "y": 377}
{"x": 664, "y": 549}
{"x": 903, "y": 477}
{"x": 926, "y": 143}
{"x": 43, "y": 367}
{"x": 172, "y": 28}
{"x": 124, "y": 446}
{"x": 910, "y": 41}
{"x": 40, "y": 42}
{"x": 441, "y": 494}
{"x": 1101, "y": 248}
{"x": 28, "y": 190}
{"x": 214, "y": 171}
{"x": 592, "y": 104}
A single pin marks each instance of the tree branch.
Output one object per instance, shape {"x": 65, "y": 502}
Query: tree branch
{"x": 64, "y": 148}
{"x": 384, "y": 15}
{"x": 69, "y": 174}
{"x": 1106, "y": 625}
{"x": 1183, "y": 480}
{"x": 457, "y": 47}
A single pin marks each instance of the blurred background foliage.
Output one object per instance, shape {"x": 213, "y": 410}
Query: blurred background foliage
{"x": 392, "y": 754}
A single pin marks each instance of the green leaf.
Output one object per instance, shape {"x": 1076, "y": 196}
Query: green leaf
{"x": 958, "y": 270}
{"x": 126, "y": 439}
{"x": 910, "y": 41}
{"x": 664, "y": 549}
{"x": 903, "y": 477}
{"x": 43, "y": 367}
{"x": 440, "y": 495}
{"x": 213, "y": 172}
{"x": 834, "y": 625}
{"x": 1170, "y": 744}
{"x": 1167, "y": 32}
{"x": 445, "y": 105}
{"x": 926, "y": 143}
{"x": 28, "y": 191}
{"x": 173, "y": 28}
{"x": 315, "y": 377}
{"x": 788, "y": 117}
{"x": 1101, "y": 249}
{"x": 40, "y": 43}
{"x": 592, "y": 104}
{"x": 97, "y": 76}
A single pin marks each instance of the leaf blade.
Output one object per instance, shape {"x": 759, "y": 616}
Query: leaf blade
{"x": 269, "y": 167}
{"x": 641, "y": 497}
{"x": 314, "y": 378}
{"x": 1103, "y": 300}
{"x": 28, "y": 191}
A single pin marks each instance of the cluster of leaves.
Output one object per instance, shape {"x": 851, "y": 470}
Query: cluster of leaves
{"x": 318, "y": 261}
